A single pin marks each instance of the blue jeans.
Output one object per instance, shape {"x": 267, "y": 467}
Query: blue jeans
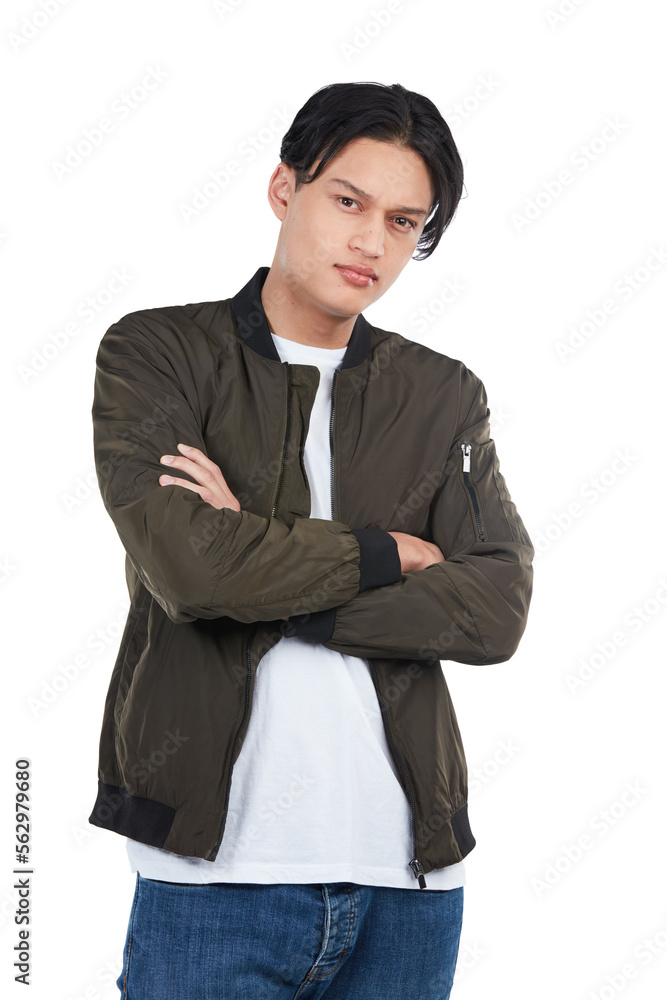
{"x": 247, "y": 941}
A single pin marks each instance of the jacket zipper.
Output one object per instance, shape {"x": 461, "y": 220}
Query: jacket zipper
{"x": 287, "y": 427}
{"x": 415, "y": 863}
{"x": 467, "y": 478}
{"x": 331, "y": 447}
{"x": 236, "y": 738}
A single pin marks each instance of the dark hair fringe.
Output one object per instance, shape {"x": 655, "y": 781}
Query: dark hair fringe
{"x": 338, "y": 113}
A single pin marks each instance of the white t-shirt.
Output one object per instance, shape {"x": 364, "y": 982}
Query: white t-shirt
{"x": 315, "y": 794}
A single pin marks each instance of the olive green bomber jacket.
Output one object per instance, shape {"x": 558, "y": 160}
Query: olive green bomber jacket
{"x": 411, "y": 451}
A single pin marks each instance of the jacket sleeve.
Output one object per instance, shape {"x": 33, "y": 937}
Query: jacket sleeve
{"x": 473, "y": 607}
{"x": 196, "y": 561}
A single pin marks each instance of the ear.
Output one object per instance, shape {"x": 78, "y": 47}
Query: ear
{"x": 281, "y": 189}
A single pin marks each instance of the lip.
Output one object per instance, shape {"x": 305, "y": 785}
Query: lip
{"x": 359, "y": 274}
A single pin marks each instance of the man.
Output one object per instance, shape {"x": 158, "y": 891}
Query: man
{"x": 314, "y": 517}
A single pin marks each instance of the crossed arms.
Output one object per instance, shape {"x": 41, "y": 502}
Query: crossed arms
{"x": 201, "y": 556}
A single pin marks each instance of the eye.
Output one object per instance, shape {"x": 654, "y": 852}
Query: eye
{"x": 410, "y": 223}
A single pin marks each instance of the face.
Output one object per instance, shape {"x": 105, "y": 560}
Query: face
{"x": 367, "y": 209}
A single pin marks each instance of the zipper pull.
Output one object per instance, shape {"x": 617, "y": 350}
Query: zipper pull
{"x": 465, "y": 448}
{"x": 416, "y": 866}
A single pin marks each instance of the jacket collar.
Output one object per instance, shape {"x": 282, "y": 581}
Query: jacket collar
{"x": 253, "y": 328}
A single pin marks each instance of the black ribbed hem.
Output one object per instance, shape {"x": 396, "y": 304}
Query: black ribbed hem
{"x": 131, "y": 815}
{"x": 461, "y": 830}
{"x": 317, "y": 626}
{"x": 379, "y": 562}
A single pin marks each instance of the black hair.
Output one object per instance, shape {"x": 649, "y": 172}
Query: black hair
{"x": 340, "y": 112}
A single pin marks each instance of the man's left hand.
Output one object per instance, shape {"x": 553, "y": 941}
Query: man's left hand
{"x": 213, "y": 488}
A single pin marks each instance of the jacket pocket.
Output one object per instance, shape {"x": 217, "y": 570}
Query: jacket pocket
{"x": 468, "y": 474}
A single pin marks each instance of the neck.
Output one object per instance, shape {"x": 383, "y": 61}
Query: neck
{"x": 295, "y": 318}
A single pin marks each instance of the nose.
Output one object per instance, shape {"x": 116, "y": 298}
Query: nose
{"x": 370, "y": 241}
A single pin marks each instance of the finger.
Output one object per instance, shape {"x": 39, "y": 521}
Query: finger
{"x": 205, "y": 476}
{"x": 206, "y": 494}
{"x": 215, "y": 484}
{"x": 197, "y": 456}
{"x": 171, "y": 481}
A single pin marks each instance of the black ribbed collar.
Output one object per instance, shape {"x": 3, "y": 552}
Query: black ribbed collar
{"x": 253, "y": 328}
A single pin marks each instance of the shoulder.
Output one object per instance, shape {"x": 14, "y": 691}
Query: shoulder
{"x": 433, "y": 369}
{"x": 194, "y": 328}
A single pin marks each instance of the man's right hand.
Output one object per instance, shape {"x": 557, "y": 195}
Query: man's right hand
{"x": 414, "y": 552}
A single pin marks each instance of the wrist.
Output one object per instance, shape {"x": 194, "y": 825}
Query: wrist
{"x": 379, "y": 560}
{"x": 315, "y": 626}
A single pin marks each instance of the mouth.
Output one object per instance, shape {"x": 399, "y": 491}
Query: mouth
{"x": 357, "y": 274}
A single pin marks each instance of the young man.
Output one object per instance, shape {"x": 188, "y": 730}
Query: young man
{"x": 314, "y": 517}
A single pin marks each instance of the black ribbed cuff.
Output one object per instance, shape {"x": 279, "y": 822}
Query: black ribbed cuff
{"x": 379, "y": 562}
{"x": 317, "y": 626}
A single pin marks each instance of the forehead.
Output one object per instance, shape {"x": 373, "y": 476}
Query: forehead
{"x": 382, "y": 170}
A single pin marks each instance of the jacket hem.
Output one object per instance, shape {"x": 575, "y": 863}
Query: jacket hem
{"x": 461, "y": 830}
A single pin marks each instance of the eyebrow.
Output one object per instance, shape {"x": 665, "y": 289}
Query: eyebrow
{"x": 369, "y": 197}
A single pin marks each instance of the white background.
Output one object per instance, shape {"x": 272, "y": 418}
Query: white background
{"x": 528, "y": 93}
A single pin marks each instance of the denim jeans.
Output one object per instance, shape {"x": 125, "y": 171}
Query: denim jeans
{"x": 247, "y": 941}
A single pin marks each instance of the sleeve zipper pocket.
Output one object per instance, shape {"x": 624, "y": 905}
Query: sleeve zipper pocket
{"x": 466, "y": 450}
